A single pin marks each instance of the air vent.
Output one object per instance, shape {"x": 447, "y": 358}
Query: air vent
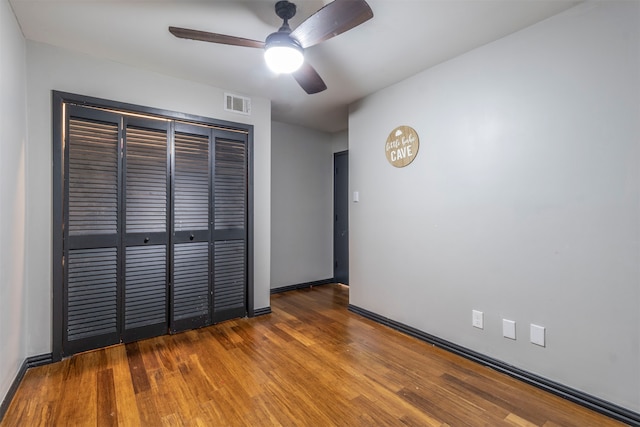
{"x": 237, "y": 104}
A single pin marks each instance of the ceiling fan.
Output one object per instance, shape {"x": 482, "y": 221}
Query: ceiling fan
{"x": 285, "y": 48}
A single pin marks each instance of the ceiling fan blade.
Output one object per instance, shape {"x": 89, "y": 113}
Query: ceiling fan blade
{"x": 185, "y": 33}
{"x": 309, "y": 79}
{"x": 333, "y": 19}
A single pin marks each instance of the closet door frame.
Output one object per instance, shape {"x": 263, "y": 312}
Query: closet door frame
{"x": 59, "y": 102}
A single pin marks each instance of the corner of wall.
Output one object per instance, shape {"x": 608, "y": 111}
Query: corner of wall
{"x": 13, "y": 208}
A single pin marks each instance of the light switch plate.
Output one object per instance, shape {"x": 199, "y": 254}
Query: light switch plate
{"x": 356, "y": 196}
{"x": 477, "y": 319}
{"x": 537, "y": 335}
{"x": 509, "y": 329}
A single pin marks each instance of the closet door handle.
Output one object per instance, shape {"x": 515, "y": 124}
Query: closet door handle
{"x": 146, "y": 240}
{"x": 191, "y": 237}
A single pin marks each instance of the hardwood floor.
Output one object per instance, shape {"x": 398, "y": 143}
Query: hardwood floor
{"x": 309, "y": 363}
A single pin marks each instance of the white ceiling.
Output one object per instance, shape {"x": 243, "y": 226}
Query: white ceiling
{"x": 403, "y": 38}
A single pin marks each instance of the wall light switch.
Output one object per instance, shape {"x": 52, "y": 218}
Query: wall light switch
{"x": 509, "y": 329}
{"x": 356, "y": 196}
{"x": 537, "y": 335}
{"x": 477, "y": 319}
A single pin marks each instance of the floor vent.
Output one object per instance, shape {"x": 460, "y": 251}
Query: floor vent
{"x": 237, "y": 103}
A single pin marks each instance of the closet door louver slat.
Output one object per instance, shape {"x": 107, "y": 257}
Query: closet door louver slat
{"x": 191, "y": 182}
{"x": 191, "y": 285}
{"x": 146, "y": 286}
{"x": 93, "y": 177}
{"x": 230, "y": 184}
{"x": 92, "y": 287}
{"x": 146, "y": 180}
{"x": 229, "y": 273}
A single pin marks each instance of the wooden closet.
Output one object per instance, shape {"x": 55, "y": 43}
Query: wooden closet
{"x": 154, "y": 225}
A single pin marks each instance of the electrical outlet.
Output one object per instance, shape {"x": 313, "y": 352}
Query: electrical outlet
{"x": 509, "y": 329}
{"x": 537, "y": 335}
{"x": 477, "y": 319}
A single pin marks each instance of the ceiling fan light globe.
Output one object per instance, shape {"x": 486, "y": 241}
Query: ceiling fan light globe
{"x": 282, "y": 53}
{"x": 283, "y": 59}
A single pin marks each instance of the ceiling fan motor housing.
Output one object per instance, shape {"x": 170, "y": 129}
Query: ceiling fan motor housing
{"x": 285, "y": 10}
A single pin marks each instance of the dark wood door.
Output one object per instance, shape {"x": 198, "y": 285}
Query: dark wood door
{"x": 146, "y": 239}
{"x": 191, "y": 255}
{"x": 92, "y": 229}
{"x": 341, "y": 217}
{"x": 116, "y": 236}
{"x": 210, "y": 226}
{"x": 229, "y": 231}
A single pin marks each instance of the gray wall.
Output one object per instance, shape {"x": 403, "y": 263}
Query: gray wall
{"x": 523, "y": 201}
{"x": 301, "y": 205}
{"x": 13, "y": 138}
{"x": 52, "y": 68}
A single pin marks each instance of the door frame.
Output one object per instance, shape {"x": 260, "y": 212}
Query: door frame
{"x": 59, "y": 101}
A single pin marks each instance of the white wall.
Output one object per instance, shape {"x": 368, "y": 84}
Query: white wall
{"x": 340, "y": 141}
{"x": 13, "y": 138}
{"x": 301, "y": 205}
{"x": 51, "y": 68}
{"x": 523, "y": 201}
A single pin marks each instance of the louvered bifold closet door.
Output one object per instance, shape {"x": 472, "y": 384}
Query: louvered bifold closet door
{"x": 146, "y": 222}
{"x": 229, "y": 226}
{"x": 191, "y": 287}
{"x": 92, "y": 229}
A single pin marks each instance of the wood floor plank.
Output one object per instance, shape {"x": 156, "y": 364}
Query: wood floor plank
{"x": 310, "y": 362}
{"x": 515, "y": 420}
{"x": 126, "y": 403}
{"x": 107, "y": 411}
{"x": 147, "y": 409}
{"x": 137, "y": 368}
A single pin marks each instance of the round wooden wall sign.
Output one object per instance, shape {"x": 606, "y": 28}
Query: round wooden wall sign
{"x": 402, "y": 146}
